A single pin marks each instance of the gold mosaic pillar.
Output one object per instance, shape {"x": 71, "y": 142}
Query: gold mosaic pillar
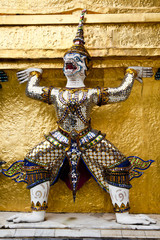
{"x": 118, "y": 34}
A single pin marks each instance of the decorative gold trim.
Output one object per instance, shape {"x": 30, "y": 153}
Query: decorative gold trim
{"x": 46, "y": 95}
{"x": 102, "y": 94}
{"x": 119, "y": 169}
{"x": 131, "y": 71}
{"x": 38, "y": 206}
{"x": 35, "y": 73}
{"x": 99, "y": 95}
{"x": 118, "y": 176}
{"x": 81, "y": 133}
{"x": 122, "y": 208}
{"x": 73, "y": 90}
{"x": 32, "y": 18}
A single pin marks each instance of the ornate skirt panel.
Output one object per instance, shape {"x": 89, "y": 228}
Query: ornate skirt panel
{"x": 87, "y": 138}
{"x": 102, "y": 156}
{"x": 103, "y": 160}
{"x": 47, "y": 155}
{"x": 105, "y": 153}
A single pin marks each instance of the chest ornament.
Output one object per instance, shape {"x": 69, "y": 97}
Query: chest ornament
{"x": 73, "y": 103}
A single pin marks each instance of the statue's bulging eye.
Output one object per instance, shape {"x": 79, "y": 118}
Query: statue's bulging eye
{"x": 77, "y": 59}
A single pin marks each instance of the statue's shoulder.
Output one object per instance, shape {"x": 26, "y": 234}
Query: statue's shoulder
{"x": 54, "y": 89}
{"x": 92, "y": 90}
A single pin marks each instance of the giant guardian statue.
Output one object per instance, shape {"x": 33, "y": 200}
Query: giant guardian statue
{"x": 75, "y": 145}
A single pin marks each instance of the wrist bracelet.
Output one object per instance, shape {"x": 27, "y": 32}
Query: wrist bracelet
{"x": 131, "y": 71}
{"x": 35, "y": 73}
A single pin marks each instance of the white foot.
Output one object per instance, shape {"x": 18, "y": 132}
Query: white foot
{"x": 28, "y": 217}
{"x": 126, "y": 218}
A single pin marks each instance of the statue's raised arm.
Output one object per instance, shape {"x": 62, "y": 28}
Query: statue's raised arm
{"x": 33, "y": 90}
{"x": 121, "y": 93}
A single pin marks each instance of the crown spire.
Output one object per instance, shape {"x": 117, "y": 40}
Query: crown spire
{"x": 78, "y": 42}
{"x": 79, "y": 38}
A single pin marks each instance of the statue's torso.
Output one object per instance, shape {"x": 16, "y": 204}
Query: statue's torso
{"x": 73, "y": 107}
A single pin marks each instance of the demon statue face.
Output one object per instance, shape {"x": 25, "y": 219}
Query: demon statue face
{"x": 74, "y": 65}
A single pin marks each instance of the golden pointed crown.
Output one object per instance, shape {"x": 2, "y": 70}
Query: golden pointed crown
{"x": 78, "y": 42}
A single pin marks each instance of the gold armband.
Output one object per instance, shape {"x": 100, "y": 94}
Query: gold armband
{"x": 46, "y": 95}
{"x": 102, "y": 94}
{"x": 131, "y": 71}
{"x": 35, "y": 73}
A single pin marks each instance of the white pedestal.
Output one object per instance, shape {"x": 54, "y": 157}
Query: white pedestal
{"x": 77, "y": 225}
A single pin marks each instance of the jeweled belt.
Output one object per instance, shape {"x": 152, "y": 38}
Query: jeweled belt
{"x": 74, "y": 134}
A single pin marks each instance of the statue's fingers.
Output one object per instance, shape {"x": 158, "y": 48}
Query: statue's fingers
{"x": 25, "y": 80}
{"x": 137, "y": 221}
{"x": 143, "y": 222}
{"x": 151, "y": 220}
{"x": 22, "y": 78}
{"x": 147, "y": 71}
{"x": 23, "y": 218}
{"x": 22, "y": 81}
{"x": 22, "y": 72}
{"x": 145, "y": 75}
{"x": 147, "y": 68}
{"x": 18, "y": 220}
{"x": 10, "y": 219}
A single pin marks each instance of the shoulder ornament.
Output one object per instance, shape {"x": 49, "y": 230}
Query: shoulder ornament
{"x": 102, "y": 96}
{"x": 46, "y": 95}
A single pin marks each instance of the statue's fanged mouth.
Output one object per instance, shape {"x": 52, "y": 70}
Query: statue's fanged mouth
{"x": 71, "y": 66}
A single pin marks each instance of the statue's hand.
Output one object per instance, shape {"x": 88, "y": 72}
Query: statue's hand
{"x": 129, "y": 219}
{"x": 142, "y": 72}
{"x": 24, "y": 76}
{"x": 28, "y": 217}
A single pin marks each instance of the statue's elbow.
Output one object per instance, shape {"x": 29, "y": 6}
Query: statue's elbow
{"x": 125, "y": 95}
{"x": 28, "y": 92}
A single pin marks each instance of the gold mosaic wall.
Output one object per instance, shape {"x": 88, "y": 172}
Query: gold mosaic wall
{"x": 133, "y": 126}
